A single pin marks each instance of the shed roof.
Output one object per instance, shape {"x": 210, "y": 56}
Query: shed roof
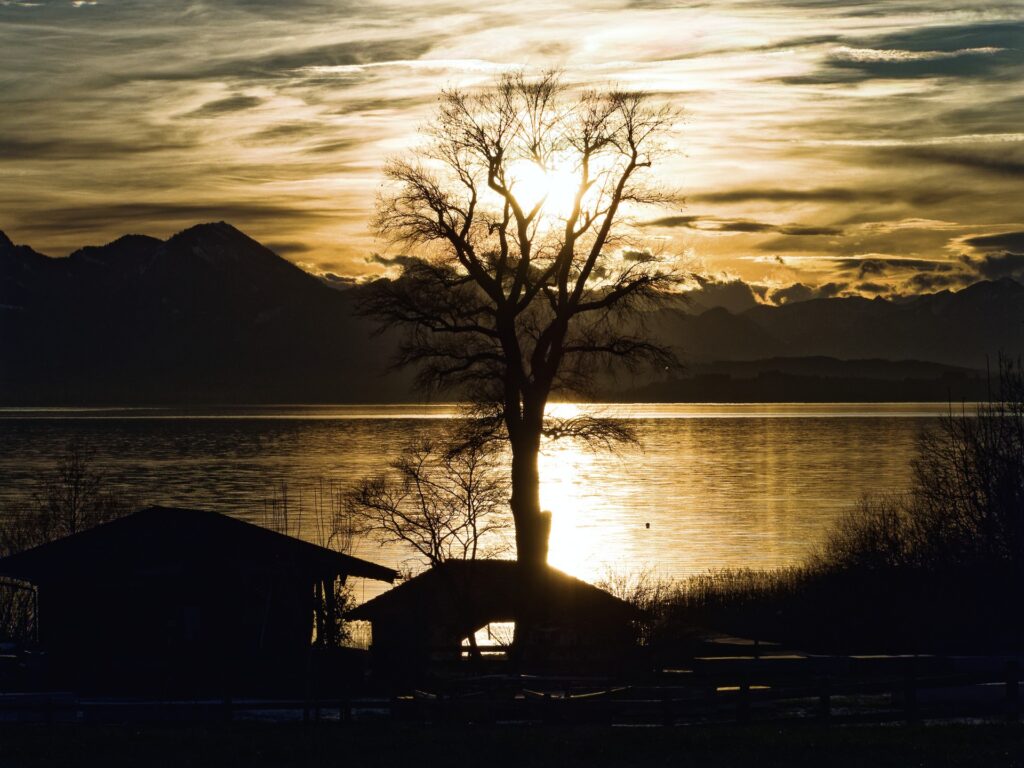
{"x": 169, "y": 539}
{"x": 481, "y": 591}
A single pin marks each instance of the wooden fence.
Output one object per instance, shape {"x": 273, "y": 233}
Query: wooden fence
{"x": 706, "y": 690}
{"x": 738, "y": 689}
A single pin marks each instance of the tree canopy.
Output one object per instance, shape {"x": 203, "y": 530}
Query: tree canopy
{"x": 522, "y": 277}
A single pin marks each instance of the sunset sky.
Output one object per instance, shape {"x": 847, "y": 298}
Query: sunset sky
{"x": 826, "y": 147}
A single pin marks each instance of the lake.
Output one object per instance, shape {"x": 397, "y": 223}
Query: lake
{"x": 713, "y": 485}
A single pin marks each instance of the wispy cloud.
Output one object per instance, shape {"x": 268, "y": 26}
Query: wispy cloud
{"x": 894, "y": 54}
{"x": 814, "y": 130}
{"x": 1010, "y": 241}
{"x": 926, "y": 141}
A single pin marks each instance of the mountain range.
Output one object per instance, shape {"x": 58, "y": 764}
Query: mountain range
{"x": 961, "y": 328}
{"x": 210, "y": 315}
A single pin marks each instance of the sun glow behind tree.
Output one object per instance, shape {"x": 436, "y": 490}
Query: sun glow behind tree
{"x": 523, "y": 278}
{"x": 553, "y": 187}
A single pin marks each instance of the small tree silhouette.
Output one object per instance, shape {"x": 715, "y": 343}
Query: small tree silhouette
{"x": 71, "y": 498}
{"x": 445, "y": 502}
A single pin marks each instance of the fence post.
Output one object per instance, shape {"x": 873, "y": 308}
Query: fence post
{"x": 743, "y": 708}
{"x": 228, "y": 706}
{"x": 1012, "y": 691}
{"x": 910, "y": 691}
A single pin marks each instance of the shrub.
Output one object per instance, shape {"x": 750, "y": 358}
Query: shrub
{"x": 940, "y": 567}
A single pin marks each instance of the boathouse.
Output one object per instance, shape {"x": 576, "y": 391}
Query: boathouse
{"x": 166, "y": 600}
{"x": 425, "y": 622}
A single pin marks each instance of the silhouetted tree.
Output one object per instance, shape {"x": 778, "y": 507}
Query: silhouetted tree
{"x": 444, "y": 502}
{"x": 520, "y": 289}
{"x": 71, "y": 498}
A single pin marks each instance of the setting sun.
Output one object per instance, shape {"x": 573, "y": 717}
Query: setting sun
{"x": 556, "y": 186}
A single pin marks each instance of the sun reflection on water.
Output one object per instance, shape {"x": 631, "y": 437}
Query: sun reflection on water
{"x": 714, "y": 485}
{"x": 564, "y": 468}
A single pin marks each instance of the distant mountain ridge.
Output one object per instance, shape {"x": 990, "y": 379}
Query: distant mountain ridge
{"x": 962, "y": 328}
{"x": 211, "y": 315}
{"x": 208, "y": 315}
{"x": 816, "y": 379}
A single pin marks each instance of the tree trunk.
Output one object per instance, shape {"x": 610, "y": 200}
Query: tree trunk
{"x": 532, "y": 525}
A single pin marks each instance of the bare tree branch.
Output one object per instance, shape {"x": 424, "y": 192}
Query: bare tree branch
{"x": 526, "y": 297}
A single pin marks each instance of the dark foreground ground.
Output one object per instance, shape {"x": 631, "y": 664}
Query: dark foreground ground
{"x": 993, "y": 746}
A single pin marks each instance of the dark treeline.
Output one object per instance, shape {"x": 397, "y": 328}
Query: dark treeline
{"x": 776, "y": 386}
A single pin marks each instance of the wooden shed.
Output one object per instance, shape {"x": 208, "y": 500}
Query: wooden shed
{"x": 165, "y": 599}
{"x": 426, "y": 620}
